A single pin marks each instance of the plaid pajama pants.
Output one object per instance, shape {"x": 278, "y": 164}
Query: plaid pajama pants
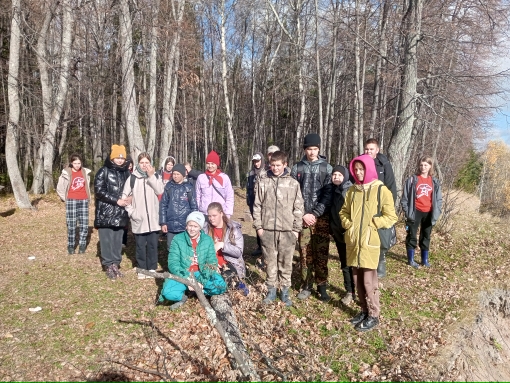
{"x": 77, "y": 210}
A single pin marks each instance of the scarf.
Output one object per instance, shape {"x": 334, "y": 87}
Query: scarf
{"x": 215, "y": 176}
{"x": 142, "y": 173}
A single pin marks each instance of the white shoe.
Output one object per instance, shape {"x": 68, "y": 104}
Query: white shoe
{"x": 150, "y": 276}
{"x": 142, "y": 276}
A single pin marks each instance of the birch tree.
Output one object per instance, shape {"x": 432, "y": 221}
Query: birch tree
{"x": 12, "y": 136}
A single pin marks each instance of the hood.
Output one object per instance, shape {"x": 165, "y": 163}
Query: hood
{"x": 370, "y": 170}
{"x": 111, "y": 165}
{"x": 163, "y": 162}
{"x": 286, "y": 173}
{"x": 262, "y": 163}
{"x": 381, "y": 159}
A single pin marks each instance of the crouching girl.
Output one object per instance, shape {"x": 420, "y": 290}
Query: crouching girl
{"x": 192, "y": 251}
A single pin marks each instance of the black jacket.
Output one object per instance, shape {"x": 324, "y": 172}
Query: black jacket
{"x": 177, "y": 202}
{"x": 108, "y": 187}
{"x": 252, "y": 179}
{"x": 316, "y": 194}
{"x": 337, "y": 201}
{"x": 385, "y": 174}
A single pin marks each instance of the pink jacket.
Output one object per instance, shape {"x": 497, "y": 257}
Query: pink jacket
{"x": 207, "y": 194}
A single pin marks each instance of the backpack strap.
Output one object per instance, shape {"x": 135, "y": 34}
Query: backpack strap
{"x": 132, "y": 180}
{"x": 379, "y": 200}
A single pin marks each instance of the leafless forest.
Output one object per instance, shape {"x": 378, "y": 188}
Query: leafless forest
{"x": 184, "y": 77}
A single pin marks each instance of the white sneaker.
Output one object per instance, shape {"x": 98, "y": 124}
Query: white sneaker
{"x": 142, "y": 276}
{"x": 150, "y": 276}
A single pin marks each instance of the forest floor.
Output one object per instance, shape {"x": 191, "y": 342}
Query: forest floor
{"x": 443, "y": 323}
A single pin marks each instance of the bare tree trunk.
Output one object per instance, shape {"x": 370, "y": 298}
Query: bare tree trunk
{"x": 230, "y": 131}
{"x": 151, "y": 112}
{"x": 401, "y": 135}
{"x": 318, "y": 67}
{"x": 170, "y": 88}
{"x": 12, "y": 136}
{"x": 129, "y": 101}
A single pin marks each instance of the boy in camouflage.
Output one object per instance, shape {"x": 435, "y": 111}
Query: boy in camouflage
{"x": 277, "y": 215}
{"x": 313, "y": 173}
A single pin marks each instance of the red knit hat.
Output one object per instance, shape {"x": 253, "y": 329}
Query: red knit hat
{"x": 213, "y": 157}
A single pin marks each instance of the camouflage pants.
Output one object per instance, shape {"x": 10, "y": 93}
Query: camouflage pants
{"x": 278, "y": 250}
{"x": 314, "y": 252}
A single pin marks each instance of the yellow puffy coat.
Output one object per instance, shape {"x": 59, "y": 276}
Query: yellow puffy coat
{"x": 357, "y": 216}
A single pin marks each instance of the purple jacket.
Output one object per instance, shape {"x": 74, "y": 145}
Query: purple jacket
{"x": 207, "y": 194}
{"x": 233, "y": 253}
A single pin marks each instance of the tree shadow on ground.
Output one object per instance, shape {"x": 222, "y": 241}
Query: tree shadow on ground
{"x": 396, "y": 256}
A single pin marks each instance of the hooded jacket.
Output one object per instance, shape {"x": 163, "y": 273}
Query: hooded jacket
{"x": 385, "y": 174}
{"x": 64, "y": 182}
{"x": 408, "y": 200}
{"x": 206, "y": 193}
{"x": 144, "y": 208}
{"x": 252, "y": 179}
{"x": 278, "y": 203}
{"x": 177, "y": 202}
{"x": 316, "y": 194}
{"x": 359, "y": 216}
{"x": 338, "y": 195}
{"x": 108, "y": 188}
{"x": 233, "y": 253}
{"x": 181, "y": 254}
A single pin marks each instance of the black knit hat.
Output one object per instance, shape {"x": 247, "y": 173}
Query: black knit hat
{"x": 312, "y": 139}
{"x": 179, "y": 168}
{"x": 343, "y": 170}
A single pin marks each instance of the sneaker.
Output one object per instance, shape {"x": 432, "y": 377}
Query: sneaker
{"x": 359, "y": 318}
{"x": 244, "y": 289}
{"x": 367, "y": 324}
{"x": 141, "y": 276}
{"x": 305, "y": 293}
{"x": 70, "y": 250}
{"x": 178, "y": 304}
{"x": 347, "y": 299}
{"x": 110, "y": 272}
{"x": 117, "y": 271}
{"x": 83, "y": 248}
{"x": 150, "y": 276}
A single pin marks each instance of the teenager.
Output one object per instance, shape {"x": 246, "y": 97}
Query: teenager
{"x": 421, "y": 203}
{"x": 74, "y": 189}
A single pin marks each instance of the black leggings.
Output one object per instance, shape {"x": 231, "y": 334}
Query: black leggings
{"x": 424, "y": 222}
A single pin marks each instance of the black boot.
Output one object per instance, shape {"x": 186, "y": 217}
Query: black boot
{"x": 381, "y": 267}
{"x": 323, "y": 293}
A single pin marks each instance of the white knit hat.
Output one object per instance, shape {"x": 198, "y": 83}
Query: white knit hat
{"x": 197, "y": 217}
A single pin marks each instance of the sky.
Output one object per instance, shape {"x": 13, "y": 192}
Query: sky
{"x": 501, "y": 118}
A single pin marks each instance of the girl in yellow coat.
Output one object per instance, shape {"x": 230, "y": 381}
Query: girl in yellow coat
{"x": 360, "y": 219}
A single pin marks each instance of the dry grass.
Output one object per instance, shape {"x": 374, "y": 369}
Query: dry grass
{"x": 88, "y": 324}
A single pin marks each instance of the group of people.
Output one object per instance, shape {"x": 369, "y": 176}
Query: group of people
{"x": 304, "y": 205}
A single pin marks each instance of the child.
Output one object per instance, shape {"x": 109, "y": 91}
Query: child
{"x": 229, "y": 245}
{"x": 277, "y": 214}
{"x": 144, "y": 187}
{"x": 177, "y": 203}
{"x": 214, "y": 186}
{"x": 74, "y": 189}
{"x": 165, "y": 172}
{"x": 257, "y": 166}
{"x": 340, "y": 178}
{"x": 192, "y": 251}
{"x": 362, "y": 215}
{"x": 314, "y": 176}
{"x": 421, "y": 202}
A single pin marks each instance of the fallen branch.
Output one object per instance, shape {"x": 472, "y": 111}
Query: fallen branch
{"x": 243, "y": 362}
